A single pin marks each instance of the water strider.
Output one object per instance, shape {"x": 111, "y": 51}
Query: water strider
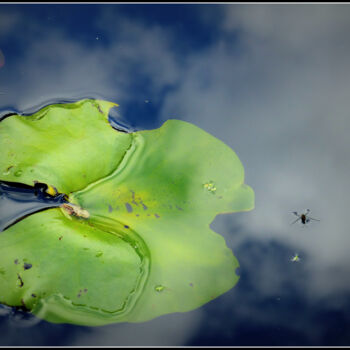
{"x": 303, "y": 217}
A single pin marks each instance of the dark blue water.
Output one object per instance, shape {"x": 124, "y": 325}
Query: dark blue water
{"x": 18, "y": 201}
{"x": 272, "y": 82}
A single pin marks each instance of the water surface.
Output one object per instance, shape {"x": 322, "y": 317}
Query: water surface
{"x": 272, "y": 82}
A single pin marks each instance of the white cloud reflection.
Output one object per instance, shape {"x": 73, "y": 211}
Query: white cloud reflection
{"x": 281, "y": 101}
{"x": 169, "y": 330}
{"x": 57, "y": 66}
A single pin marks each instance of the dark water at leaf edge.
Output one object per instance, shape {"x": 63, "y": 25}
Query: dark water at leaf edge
{"x": 18, "y": 200}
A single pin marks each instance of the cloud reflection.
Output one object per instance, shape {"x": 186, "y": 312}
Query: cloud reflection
{"x": 278, "y": 97}
{"x": 128, "y": 64}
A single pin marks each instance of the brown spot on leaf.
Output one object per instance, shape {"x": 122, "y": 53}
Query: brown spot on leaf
{"x": 27, "y": 266}
{"x": 81, "y": 291}
{"x": 126, "y": 226}
{"x": 20, "y": 281}
{"x": 75, "y": 210}
{"x": 60, "y": 238}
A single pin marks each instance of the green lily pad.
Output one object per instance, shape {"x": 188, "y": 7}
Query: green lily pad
{"x": 144, "y": 247}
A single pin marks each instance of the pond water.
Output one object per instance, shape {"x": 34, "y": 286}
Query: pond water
{"x": 272, "y": 82}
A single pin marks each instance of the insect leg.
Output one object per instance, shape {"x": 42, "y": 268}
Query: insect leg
{"x": 295, "y": 221}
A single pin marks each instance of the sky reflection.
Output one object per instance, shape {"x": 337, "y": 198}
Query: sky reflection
{"x": 272, "y": 82}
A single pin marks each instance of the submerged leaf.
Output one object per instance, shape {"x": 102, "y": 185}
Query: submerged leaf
{"x": 134, "y": 242}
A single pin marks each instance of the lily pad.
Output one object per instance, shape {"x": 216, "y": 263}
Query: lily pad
{"x": 134, "y": 243}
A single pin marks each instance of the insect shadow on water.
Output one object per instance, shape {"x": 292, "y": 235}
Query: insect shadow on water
{"x": 304, "y": 217}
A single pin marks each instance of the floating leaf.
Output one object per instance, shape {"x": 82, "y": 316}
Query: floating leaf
{"x": 134, "y": 240}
